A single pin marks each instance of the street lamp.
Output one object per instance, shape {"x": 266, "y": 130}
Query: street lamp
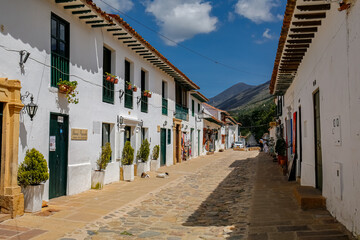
{"x": 31, "y": 108}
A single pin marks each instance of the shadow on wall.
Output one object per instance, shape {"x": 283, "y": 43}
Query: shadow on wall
{"x": 229, "y": 204}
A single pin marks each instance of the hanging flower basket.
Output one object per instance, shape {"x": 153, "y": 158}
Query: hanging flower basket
{"x": 135, "y": 88}
{"x": 149, "y": 94}
{"x": 69, "y": 88}
{"x": 111, "y": 78}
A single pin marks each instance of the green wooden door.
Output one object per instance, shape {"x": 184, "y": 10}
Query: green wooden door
{"x": 163, "y": 147}
{"x": 58, "y": 155}
{"x": 318, "y": 154}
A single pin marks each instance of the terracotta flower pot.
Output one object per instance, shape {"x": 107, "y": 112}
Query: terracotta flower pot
{"x": 145, "y": 94}
{"x": 108, "y": 78}
{"x": 149, "y": 95}
{"x": 135, "y": 89}
{"x": 116, "y": 80}
{"x": 129, "y": 87}
{"x": 112, "y": 79}
{"x": 282, "y": 160}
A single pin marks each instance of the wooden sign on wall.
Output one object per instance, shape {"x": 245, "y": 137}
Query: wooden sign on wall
{"x": 79, "y": 134}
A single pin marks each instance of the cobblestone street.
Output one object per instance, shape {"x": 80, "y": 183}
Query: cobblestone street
{"x": 229, "y": 195}
{"x": 225, "y": 200}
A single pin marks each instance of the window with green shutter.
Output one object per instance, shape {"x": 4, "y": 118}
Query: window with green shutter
{"x": 128, "y": 92}
{"x": 108, "y": 87}
{"x": 144, "y": 99}
{"x": 169, "y": 136}
{"x": 59, "y": 49}
{"x": 198, "y": 107}
{"x": 192, "y": 107}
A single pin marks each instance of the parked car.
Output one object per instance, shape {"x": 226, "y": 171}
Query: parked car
{"x": 238, "y": 145}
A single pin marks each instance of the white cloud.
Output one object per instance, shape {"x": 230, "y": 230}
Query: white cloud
{"x": 267, "y": 34}
{"x": 257, "y": 10}
{"x": 231, "y": 17}
{"x": 180, "y": 20}
{"x": 109, "y": 5}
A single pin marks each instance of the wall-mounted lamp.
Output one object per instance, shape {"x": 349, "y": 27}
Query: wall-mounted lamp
{"x": 121, "y": 94}
{"x": 24, "y": 55}
{"x": 141, "y": 124}
{"x": 165, "y": 123}
{"x": 120, "y": 121}
{"x": 31, "y": 108}
{"x": 138, "y": 100}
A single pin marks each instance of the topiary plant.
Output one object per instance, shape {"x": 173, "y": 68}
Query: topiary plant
{"x": 127, "y": 154}
{"x": 33, "y": 170}
{"x": 144, "y": 151}
{"x": 280, "y": 147}
{"x": 105, "y": 157}
{"x": 155, "y": 152}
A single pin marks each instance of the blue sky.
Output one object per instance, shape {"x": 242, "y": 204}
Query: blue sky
{"x": 241, "y": 34}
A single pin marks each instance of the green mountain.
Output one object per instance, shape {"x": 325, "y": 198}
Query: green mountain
{"x": 241, "y": 96}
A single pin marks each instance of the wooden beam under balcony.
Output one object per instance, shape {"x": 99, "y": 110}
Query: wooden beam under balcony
{"x": 298, "y": 45}
{"x": 295, "y": 41}
{"x": 134, "y": 45}
{"x": 130, "y": 41}
{"x": 102, "y": 25}
{"x": 304, "y": 30}
{"x": 88, "y": 16}
{"x": 94, "y": 21}
{"x": 310, "y": 15}
{"x": 74, "y": 6}
{"x": 145, "y": 54}
{"x": 135, "y": 48}
{"x": 81, "y": 12}
{"x": 317, "y": 7}
{"x": 124, "y": 38}
{"x": 305, "y": 35}
{"x": 307, "y": 23}
{"x": 119, "y": 34}
{"x": 114, "y": 29}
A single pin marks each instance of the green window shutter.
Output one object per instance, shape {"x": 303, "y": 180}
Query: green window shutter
{"x": 108, "y": 87}
{"x": 198, "y": 107}
{"x": 59, "y": 50}
{"x": 144, "y": 100}
{"x": 128, "y": 93}
{"x": 164, "y": 106}
{"x": 192, "y": 107}
{"x": 169, "y": 136}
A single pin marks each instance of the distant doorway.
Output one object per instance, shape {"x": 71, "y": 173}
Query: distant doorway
{"x": 1, "y": 123}
{"x": 317, "y": 131}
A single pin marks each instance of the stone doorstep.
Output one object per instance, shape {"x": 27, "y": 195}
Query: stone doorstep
{"x": 309, "y": 198}
{"x": 4, "y": 217}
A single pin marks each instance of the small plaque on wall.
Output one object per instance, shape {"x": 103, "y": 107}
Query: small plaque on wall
{"x": 79, "y": 134}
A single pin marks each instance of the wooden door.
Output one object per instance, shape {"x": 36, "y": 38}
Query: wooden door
{"x": 317, "y": 131}
{"x": 58, "y": 154}
{"x": 127, "y": 135}
{"x": 163, "y": 147}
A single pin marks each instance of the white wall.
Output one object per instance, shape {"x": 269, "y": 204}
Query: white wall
{"x": 332, "y": 60}
{"x": 86, "y": 53}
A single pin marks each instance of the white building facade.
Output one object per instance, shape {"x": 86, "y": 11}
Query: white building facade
{"x": 76, "y": 41}
{"x": 317, "y": 80}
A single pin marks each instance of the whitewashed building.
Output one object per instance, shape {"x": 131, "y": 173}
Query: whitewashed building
{"x": 317, "y": 80}
{"x": 74, "y": 40}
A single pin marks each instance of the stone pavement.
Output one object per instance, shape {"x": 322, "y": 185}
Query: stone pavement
{"x": 230, "y": 195}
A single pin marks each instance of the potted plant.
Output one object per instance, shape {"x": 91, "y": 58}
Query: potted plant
{"x": 145, "y": 93}
{"x": 32, "y": 173}
{"x": 98, "y": 176}
{"x": 280, "y": 149}
{"x": 128, "y": 85}
{"x": 135, "y": 88}
{"x": 69, "y": 88}
{"x": 127, "y": 162}
{"x": 108, "y": 77}
{"x": 155, "y": 163}
{"x": 149, "y": 94}
{"x": 142, "y": 156}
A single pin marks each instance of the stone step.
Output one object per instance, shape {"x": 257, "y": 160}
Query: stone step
{"x": 309, "y": 198}
{"x": 4, "y": 217}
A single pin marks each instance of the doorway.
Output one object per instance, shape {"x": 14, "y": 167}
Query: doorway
{"x": 177, "y": 143}
{"x": 198, "y": 142}
{"x": 317, "y": 132}
{"x": 127, "y": 135}
{"x": 58, "y": 154}
{"x": 163, "y": 147}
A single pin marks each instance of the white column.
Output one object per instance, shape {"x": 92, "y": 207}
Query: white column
{"x": 137, "y": 140}
{"x": 121, "y": 140}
